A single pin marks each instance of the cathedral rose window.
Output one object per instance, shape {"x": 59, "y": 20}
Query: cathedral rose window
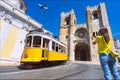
{"x": 81, "y": 34}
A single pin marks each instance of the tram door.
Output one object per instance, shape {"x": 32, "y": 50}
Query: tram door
{"x": 45, "y": 50}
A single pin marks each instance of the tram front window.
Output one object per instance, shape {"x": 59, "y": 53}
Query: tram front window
{"x": 37, "y": 41}
{"x": 53, "y": 45}
{"x": 29, "y": 41}
{"x": 45, "y": 43}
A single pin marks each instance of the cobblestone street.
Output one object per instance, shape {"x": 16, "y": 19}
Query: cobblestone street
{"x": 94, "y": 71}
{"x": 74, "y": 70}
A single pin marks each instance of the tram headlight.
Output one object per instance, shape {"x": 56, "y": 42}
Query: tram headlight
{"x": 25, "y": 56}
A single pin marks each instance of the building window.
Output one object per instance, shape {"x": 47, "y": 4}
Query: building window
{"x": 95, "y": 16}
{"x": 67, "y": 21}
{"x": 81, "y": 34}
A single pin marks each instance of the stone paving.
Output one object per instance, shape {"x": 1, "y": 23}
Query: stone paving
{"x": 56, "y": 72}
{"x": 73, "y": 70}
{"x": 94, "y": 71}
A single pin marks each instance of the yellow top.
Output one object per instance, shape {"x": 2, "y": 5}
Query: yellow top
{"x": 102, "y": 47}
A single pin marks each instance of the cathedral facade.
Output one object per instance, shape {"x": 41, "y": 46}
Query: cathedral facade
{"x": 78, "y": 36}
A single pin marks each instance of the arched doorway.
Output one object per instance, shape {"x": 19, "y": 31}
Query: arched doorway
{"x": 82, "y": 52}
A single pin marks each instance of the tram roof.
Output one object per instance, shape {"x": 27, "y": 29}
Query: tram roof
{"x": 46, "y": 35}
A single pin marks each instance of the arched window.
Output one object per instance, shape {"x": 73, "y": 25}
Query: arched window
{"x": 95, "y": 16}
{"x": 67, "y": 21}
{"x": 81, "y": 33}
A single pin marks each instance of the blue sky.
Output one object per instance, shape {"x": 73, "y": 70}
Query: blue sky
{"x": 50, "y": 19}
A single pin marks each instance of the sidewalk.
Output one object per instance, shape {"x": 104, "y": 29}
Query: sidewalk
{"x": 4, "y": 69}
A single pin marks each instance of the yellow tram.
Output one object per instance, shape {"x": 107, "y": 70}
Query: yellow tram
{"x": 42, "y": 47}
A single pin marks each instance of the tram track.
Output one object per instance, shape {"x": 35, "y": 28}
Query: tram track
{"x": 66, "y": 76}
{"x": 57, "y": 72}
{"x": 14, "y": 69}
{"x": 9, "y": 69}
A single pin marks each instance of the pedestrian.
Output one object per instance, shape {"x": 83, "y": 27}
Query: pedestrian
{"x": 107, "y": 61}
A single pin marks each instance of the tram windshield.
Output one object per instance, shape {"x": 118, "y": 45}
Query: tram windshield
{"x": 29, "y": 41}
{"x": 33, "y": 41}
{"x": 37, "y": 41}
{"x": 45, "y": 43}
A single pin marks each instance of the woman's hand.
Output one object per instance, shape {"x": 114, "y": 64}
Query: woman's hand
{"x": 93, "y": 40}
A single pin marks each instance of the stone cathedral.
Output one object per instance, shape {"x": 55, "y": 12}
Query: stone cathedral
{"x": 78, "y": 36}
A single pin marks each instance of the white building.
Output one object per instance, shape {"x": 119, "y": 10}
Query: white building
{"x": 14, "y": 25}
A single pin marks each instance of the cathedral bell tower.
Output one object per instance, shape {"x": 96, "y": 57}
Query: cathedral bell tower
{"x": 66, "y": 32}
